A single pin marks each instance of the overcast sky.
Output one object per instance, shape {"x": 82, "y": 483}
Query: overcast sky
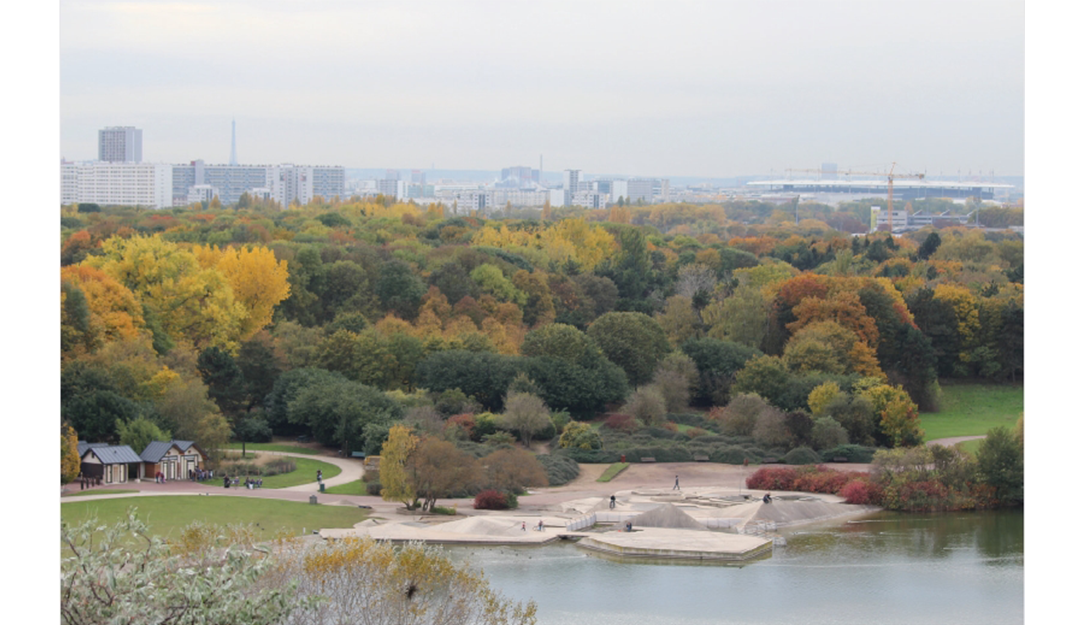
{"x": 639, "y": 88}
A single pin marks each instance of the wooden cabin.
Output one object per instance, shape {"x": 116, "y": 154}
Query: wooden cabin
{"x": 114, "y": 464}
{"x": 174, "y": 459}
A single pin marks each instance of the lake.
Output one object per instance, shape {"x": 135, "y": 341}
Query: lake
{"x": 886, "y": 568}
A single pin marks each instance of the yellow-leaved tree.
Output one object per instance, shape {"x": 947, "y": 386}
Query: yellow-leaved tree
{"x": 69, "y": 454}
{"x": 393, "y": 476}
{"x": 258, "y": 279}
{"x": 193, "y": 305}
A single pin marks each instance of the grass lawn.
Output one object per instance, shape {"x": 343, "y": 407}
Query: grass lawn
{"x": 291, "y": 449}
{"x": 168, "y": 515}
{"x": 613, "y": 470}
{"x": 305, "y": 472}
{"x": 359, "y": 487}
{"x": 973, "y": 409}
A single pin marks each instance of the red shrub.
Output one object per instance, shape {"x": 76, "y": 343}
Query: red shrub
{"x": 861, "y": 492}
{"x": 490, "y": 500}
{"x": 622, "y": 423}
{"x": 924, "y": 496}
{"x": 772, "y": 479}
{"x": 669, "y": 426}
{"x": 465, "y": 421}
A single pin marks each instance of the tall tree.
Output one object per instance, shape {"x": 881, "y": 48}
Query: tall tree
{"x": 393, "y": 477}
{"x": 633, "y": 341}
{"x": 527, "y": 415}
{"x": 437, "y": 468}
{"x": 224, "y": 378}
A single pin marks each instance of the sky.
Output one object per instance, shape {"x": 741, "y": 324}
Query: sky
{"x": 711, "y": 89}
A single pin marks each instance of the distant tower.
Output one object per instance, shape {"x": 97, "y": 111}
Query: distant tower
{"x": 120, "y": 144}
{"x": 232, "y": 152}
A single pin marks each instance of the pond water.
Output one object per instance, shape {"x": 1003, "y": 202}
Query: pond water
{"x": 885, "y": 568}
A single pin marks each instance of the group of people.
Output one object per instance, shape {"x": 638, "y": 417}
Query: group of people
{"x": 86, "y": 482}
{"x": 199, "y": 475}
{"x": 249, "y": 483}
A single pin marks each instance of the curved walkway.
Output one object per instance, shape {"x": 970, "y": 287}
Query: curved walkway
{"x": 953, "y": 441}
{"x": 351, "y": 470}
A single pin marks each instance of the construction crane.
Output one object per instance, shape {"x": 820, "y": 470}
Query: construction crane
{"x": 890, "y": 175}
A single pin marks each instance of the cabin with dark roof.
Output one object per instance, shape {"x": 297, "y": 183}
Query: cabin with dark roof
{"x": 174, "y": 459}
{"x": 113, "y": 464}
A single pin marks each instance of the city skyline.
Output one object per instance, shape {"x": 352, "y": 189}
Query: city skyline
{"x": 679, "y": 89}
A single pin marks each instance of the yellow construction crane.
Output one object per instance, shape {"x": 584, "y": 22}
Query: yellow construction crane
{"x": 890, "y": 175}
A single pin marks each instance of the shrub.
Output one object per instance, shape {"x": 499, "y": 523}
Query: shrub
{"x": 579, "y": 435}
{"x": 692, "y": 419}
{"x": 861, "y": 492}
{"x": 499, "y": 438}
{"x": 772, "y": 479}
{"x": 801, "y": 455}
{"x": 620, "y": 422}
{"x": 827, "y": 433}
{"x": 467, "y": 424}
{"x": 696, "y": 432}
{"x": 647, "y": 405}
{"x": 278, "y": 466}
{"x": 771, "y": 428}
{"x": 511, "y": 501}
{"x": 560, "y": 469}
{"x": 490, "y": 500}
{"x": 740, "y": 416}
{"x": 853, "y": 453}
{"x": 374, "y": 489}
{"x": 733, "y": 455}
{"x": 443, "y": 510}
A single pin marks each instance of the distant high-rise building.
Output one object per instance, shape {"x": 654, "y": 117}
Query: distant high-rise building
{"x": 148, "y": 185}
{"x": 417, "y": 177}
{"x": 571, "y": 180}
{"x": 120, "y": 144}
{"x": 392, "y": 174}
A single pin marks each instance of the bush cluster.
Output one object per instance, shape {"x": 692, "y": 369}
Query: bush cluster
{"x": 560, "y": 468}
{"x": 276, "y": 466}
{"x": 490, "y": 500}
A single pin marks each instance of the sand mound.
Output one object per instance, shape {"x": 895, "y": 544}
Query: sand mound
{"x": 483, "y": 526}
{"x": 784, "y": 512}
{"x": 667, "y": 516}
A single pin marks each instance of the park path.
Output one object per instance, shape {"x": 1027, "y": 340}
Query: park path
{"x": 953, "y": 441}
{"x": 351, "y": 470}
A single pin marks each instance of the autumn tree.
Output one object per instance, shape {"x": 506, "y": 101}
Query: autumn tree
{"x": 193, "y": 303}
{"x": 437, "y": 469}
{"x": 513, "y": 470}
{"x": 258, "y": 280}
{"x": 69, "y": 454}
{"x": 139, "y": 433}
{"x": 393, "y": 477}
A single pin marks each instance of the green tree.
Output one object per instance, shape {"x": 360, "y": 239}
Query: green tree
{"x": 139, "y": 433}
{"x": 717, "y": 363}
{"x": 765, "y": 375}
{"x": 338, "y": 411}
{"x": 260, "y": 366}
{"x": 223, "y": 378}
{"x": 399, "y": 289}
{"x": 251, "y": 430}
{"x": 480, "y": 375}
{"x": 633, "y": 341}
{"x": 1000, "y": 464}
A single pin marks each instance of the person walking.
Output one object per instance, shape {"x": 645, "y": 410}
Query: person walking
{"x": 318, "y": 475}
{"x": 612, "y": 504}
{"x": 676, "y": 486}
{"x": 523, "y": 526}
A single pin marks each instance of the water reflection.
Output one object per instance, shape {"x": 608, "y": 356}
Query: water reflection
{"x": 957, "y": 568}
